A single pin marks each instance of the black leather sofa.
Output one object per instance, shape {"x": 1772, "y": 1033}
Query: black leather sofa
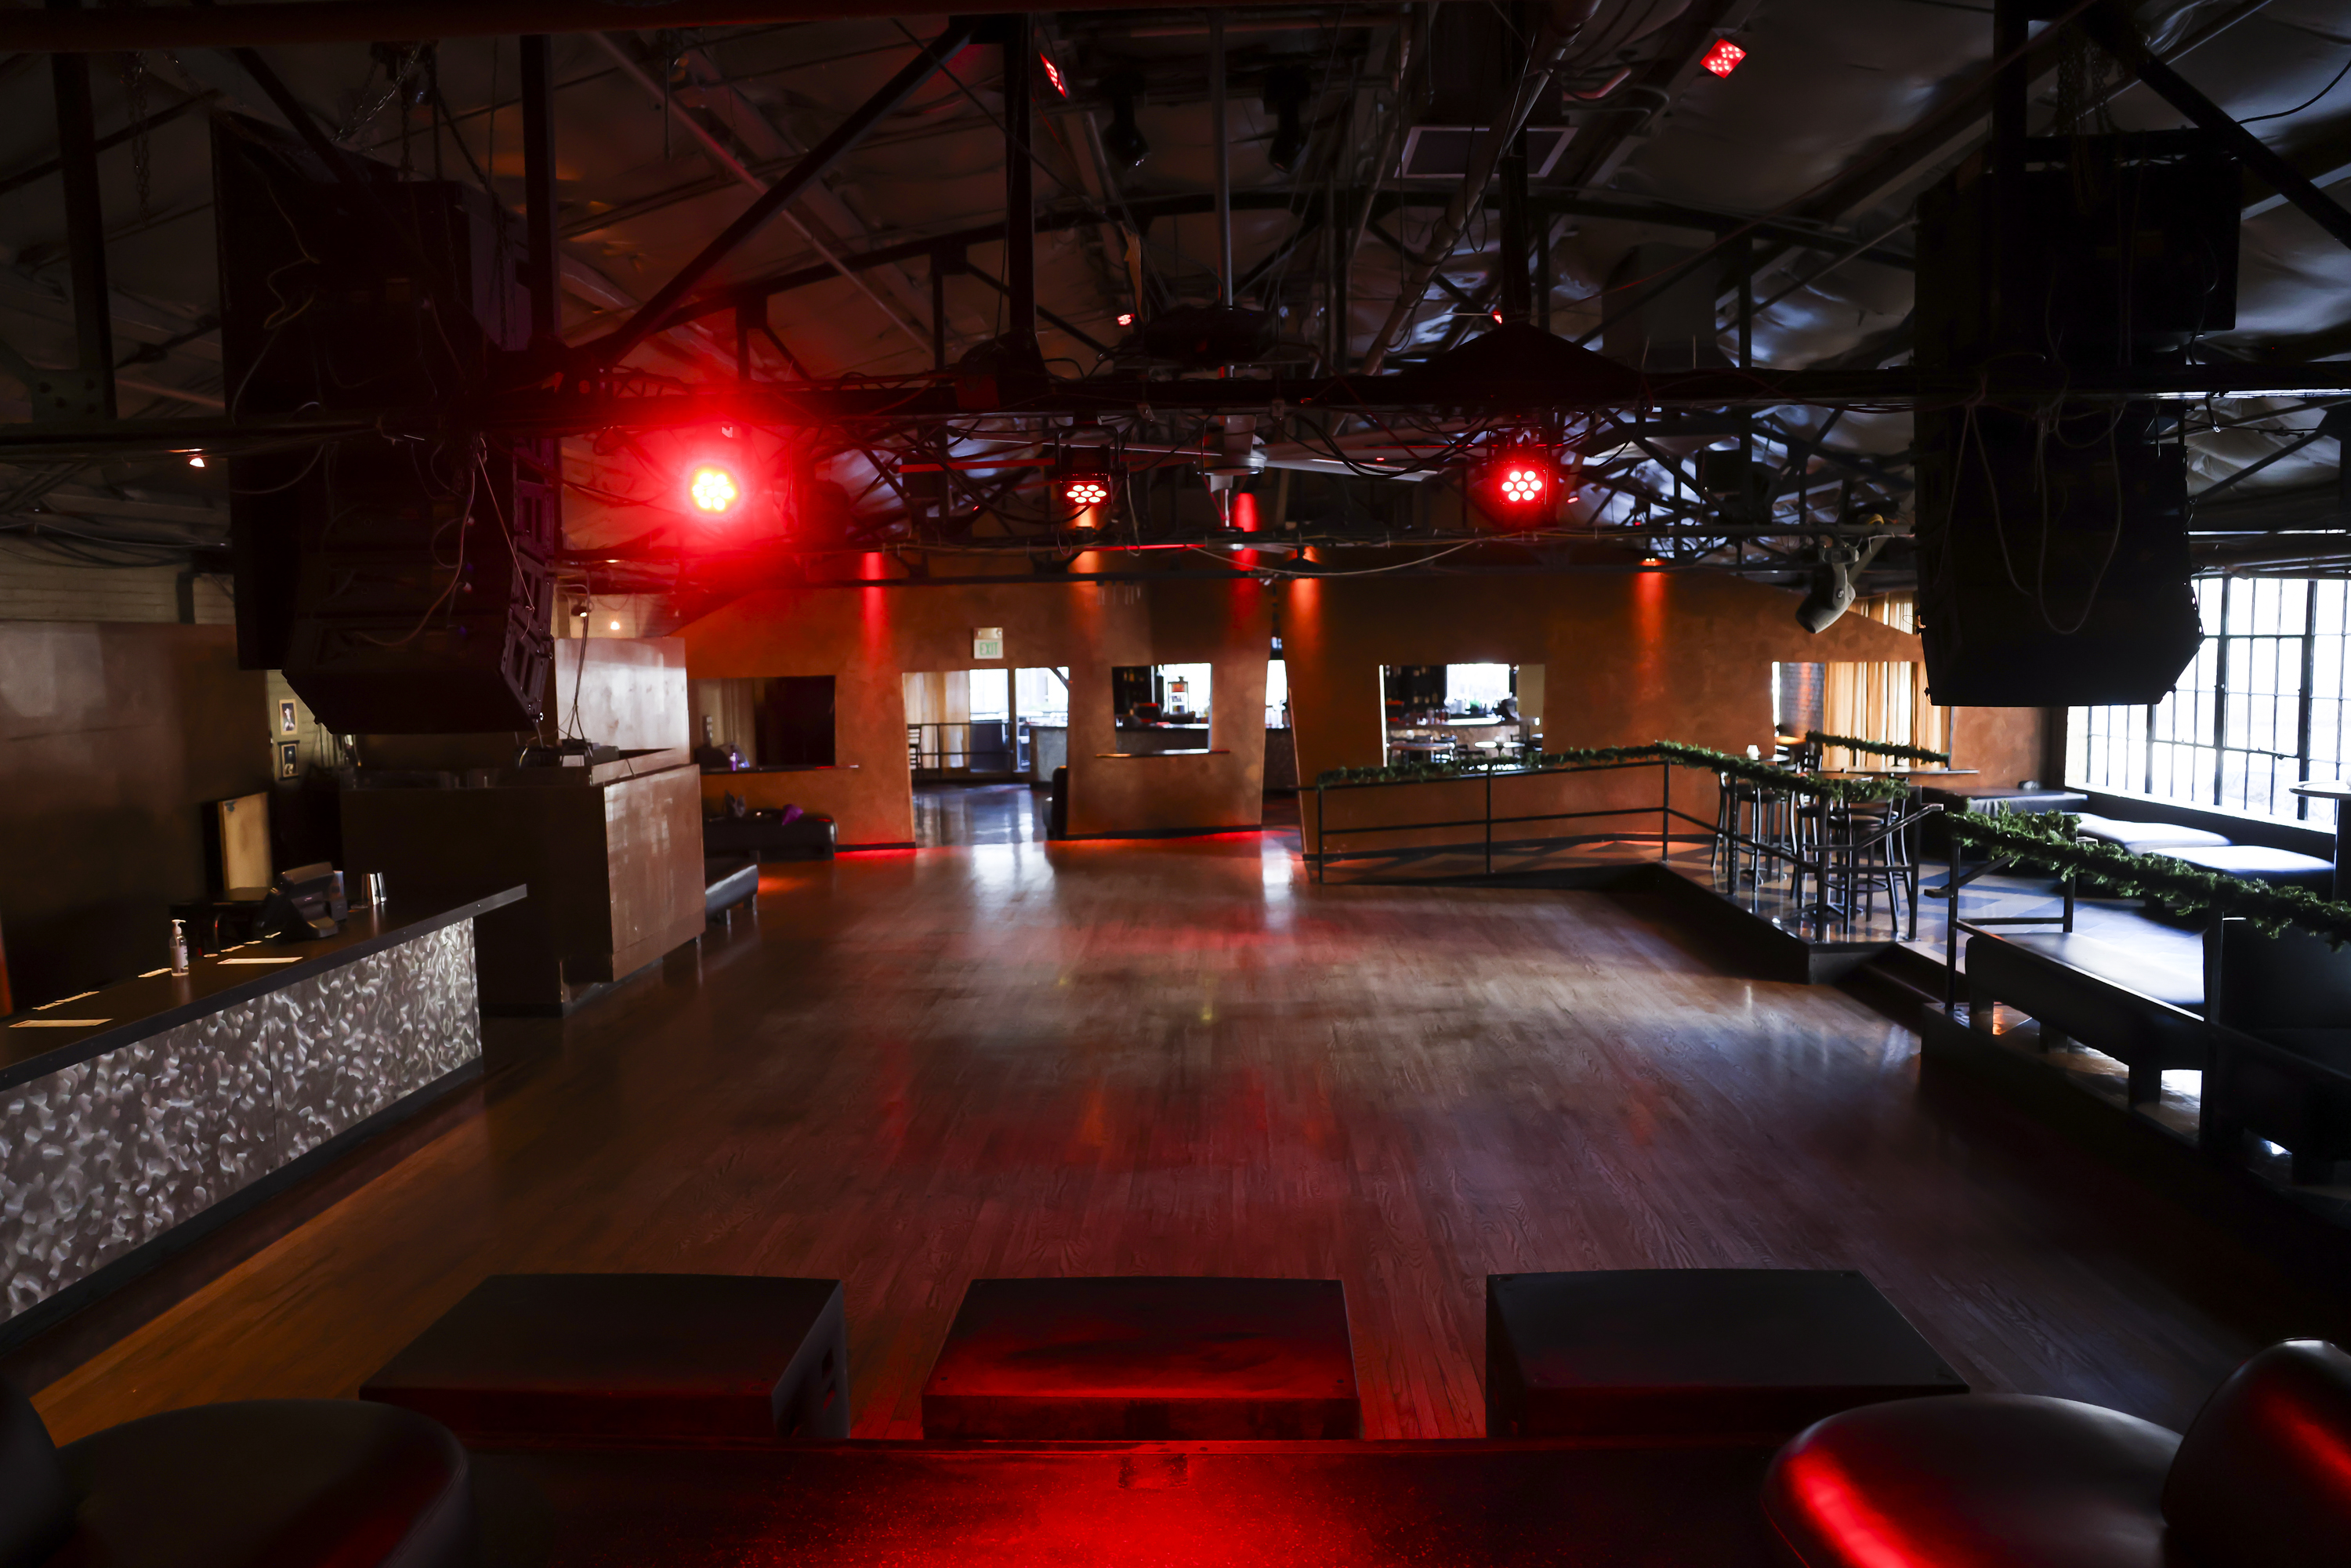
{"x": 291, "y": 1483}
{"x": 766, "y": 834}
{"x": 2281, "y": 1067}
{"x": 2013, "y": 1481}
{"x": 2140, "y": 1012}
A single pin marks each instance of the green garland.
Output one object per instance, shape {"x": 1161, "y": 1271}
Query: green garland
{"x": 1673, "y": 751}
{"x": 2046, "y": 839}
{"x": 1875, "y": 747}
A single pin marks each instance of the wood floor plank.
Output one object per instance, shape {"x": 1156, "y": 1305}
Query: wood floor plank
{"x": 1187, "y": 1058}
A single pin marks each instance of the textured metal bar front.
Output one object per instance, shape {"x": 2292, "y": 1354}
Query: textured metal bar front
{"x": 102, "y": 1157}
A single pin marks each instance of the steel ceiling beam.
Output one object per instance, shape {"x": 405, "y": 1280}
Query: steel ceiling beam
{"x": 365, "y": 21}
{"x": 652, "y": 317}
{"x": 2115, "y": 34}
{"x": 85, "y": 228}
{"x": 543, "y": 412}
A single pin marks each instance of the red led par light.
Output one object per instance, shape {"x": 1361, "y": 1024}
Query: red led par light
{"x": 1724, "y": 58}
{"x": 1085, "y": 478}
{"x": 1520, "y": 485}
{"x": 713, "y": 489}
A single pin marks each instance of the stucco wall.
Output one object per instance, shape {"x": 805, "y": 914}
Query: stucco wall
{"x": 867, "y": 638}
{"x": 1628, "y": 657}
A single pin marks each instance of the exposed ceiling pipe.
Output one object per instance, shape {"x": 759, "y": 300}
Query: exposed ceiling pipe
{"x": 1560, "y": 25}
{"x": 37, "y": 30}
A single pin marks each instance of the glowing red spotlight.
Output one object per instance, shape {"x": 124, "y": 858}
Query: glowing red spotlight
{"x": 1053, "y": 75}
{"x": 713, "y": 490}
{"x": 1724, "y": 58}
{"x": 1522, "y": 484}
{"x": 1085, "y": 489}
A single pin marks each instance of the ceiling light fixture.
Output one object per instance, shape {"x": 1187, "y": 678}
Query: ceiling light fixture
{"x": 1724, "y": 58}
{"x": 1053, "y": 74}
{"x": 1521, "y": 484}
{"x": 1086, "y": 478}
{"x": 713, "y": 490}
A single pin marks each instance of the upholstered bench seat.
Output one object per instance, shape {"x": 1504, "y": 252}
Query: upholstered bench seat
{"x": 2147, "y": 838}
{"x": 1143, "y": 1357}
{"x": 2256, "y": 863}
{"x": 1703, "y": 1352}
{"x": 704, "y": 1358}
{"x": 728, "y": 881}
{"x": 2140, "y": 1012}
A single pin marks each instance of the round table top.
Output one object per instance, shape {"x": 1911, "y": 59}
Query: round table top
{"x": 2324, "y": 788}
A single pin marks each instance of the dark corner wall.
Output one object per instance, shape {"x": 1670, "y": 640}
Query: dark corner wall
{"x": 112, "y": 736}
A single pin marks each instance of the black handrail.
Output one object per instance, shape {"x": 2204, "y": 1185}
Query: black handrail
{"x": 1817, "y": 869}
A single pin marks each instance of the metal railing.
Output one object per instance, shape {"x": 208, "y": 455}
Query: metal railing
{"x": 949, "y": 745}
{"x": 1825, "y": 858}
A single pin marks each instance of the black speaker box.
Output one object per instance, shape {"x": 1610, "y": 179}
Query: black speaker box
{"x": 400, "y": 579}
{"x": 2052, "y": 569}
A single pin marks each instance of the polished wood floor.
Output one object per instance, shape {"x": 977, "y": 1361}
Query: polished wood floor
{"x": 1183, "y": 1057}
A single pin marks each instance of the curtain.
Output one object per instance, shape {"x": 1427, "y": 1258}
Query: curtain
{"x": 1930, "y": 727}
{"x": 1877, "y": 700}
{"x": 940, "y": 702}
{"x": 730, "y": 707}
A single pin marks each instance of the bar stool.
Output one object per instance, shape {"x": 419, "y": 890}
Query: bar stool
{"x": 1876, "y": 857}
{"x": 1773, "y": 830}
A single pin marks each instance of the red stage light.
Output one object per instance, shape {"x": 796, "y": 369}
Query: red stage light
{"x": 1053, "y": 75}
{"x": 1522, "y": 483}
{"x": 1724, "y": 58}
{"x": 1085, "y": 490}
{"x": 713, "y": 490}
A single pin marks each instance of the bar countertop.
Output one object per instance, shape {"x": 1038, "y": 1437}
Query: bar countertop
{"x": 60, "y": 1034}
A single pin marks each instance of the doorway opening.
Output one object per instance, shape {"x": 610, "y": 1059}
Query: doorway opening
{"x": 983, "y": 725}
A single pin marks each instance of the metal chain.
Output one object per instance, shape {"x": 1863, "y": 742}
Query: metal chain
{"x": 134, "y": 87}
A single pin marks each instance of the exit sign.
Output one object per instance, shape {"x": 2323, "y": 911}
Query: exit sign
{"x": 987, "y": 641}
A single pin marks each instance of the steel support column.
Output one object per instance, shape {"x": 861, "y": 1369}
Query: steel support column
{"x": 539, "y": 182}
{"x": 85, "y": 225}
{"x": 1019, "y": 183}
{"x": 1220, "y": 134}
{"x": 1516, "y": 241}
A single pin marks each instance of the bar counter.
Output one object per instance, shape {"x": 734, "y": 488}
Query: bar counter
{"x": 136, "y": 1116}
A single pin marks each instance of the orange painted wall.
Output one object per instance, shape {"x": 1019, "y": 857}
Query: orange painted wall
{"x": 1627, "y": 657}
{"x": 868, "y": 638}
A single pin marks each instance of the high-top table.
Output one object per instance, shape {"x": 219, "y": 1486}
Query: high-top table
{"x": 2337, "y": 790}
{"x": 141, "y": 1113}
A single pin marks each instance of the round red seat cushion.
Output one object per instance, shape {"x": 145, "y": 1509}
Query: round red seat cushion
{"x": 1973, "y": 1480}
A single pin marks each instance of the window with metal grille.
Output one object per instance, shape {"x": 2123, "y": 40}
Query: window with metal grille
{"x": 2260, "y": 709}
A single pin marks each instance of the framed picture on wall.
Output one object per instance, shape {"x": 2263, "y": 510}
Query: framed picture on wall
{"x": 285, "y": 724}
{"x": 289, "y": 760}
